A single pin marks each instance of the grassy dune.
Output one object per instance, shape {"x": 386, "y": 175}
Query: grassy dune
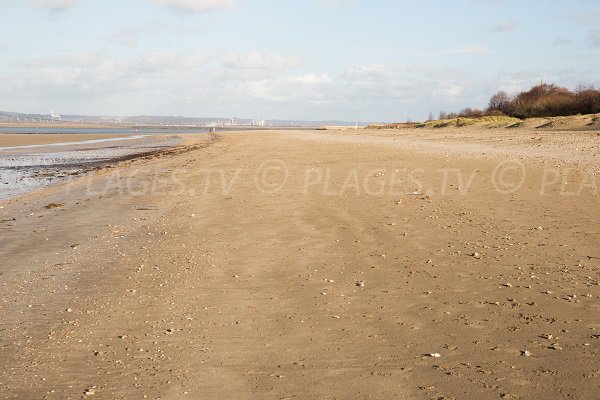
{"x": 591, "y": 121}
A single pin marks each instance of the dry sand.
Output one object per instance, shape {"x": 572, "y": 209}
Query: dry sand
{"x": 148, "y": 281}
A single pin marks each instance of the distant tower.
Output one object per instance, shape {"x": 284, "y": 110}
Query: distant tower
{"x": 55, "y": 116}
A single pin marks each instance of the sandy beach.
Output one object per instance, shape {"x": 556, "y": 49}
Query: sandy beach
{"x": 414, "y": 264}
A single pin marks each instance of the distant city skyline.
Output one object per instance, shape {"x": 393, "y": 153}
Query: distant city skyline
{"x": 310, "y": 60}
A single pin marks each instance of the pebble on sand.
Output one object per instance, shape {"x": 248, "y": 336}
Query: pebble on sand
{"x": 53, "y": 205}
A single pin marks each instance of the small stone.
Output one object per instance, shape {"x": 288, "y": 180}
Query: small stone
{"x": 526, "y": 353}
{"x": 507, "y": 285}
{"x": 360, "y": 284}
{"x": 435, "y": 355}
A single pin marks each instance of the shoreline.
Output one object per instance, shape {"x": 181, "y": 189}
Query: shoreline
{"x": 44, "y": 161}
{"x": 205, "y": 266}
{"x": 25, "y": 139}
{"x": 72, "y": 143}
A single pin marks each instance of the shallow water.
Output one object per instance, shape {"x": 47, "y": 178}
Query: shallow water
{"x": 99, "y": 131}
{"x": 62, "y": 144}
{"x": 28, "y": 168}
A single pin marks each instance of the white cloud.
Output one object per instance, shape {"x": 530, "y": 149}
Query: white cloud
{"x": 466, "y": 50}
{"x": 97, "y": 83}
{"x": 469, "y": 50}
{"x": 309, "y": 79}
{"x": 196, "y": 5}
{"x": 335, "y": 3}
{"x": 589, "y": 17}
{"x": 506, "y": 26}
{"x": 594, "y": 38}
{"x": 379, "y": 83}
{"x": 83, "y": 75}
{"x": 130, "y": 35}
{"x": 199, "y": 84}
{"x": 309, "y": 89}
{"x": 369, "y": 73}
{"x": 258, "y": 61}
{"x": 55, "y": 5}
{"x": 513, "y": 82}
{"x": 192, "y": 84}
{"x": 372, "y": 88}
{"x": 561, "y": 41}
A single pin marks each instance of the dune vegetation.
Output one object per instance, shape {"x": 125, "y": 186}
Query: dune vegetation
{"x": 542, "y": 106}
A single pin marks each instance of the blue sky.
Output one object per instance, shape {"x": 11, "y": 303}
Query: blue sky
{"x": 378, "y": 60}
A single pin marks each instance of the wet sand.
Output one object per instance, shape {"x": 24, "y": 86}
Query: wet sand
{"x": 368, "y": 265}
{"x": 27, "y": 165}
{"x": 9, "y": 140}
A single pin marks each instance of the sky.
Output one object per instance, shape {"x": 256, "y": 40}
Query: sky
{"x": 371, "y": 60}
